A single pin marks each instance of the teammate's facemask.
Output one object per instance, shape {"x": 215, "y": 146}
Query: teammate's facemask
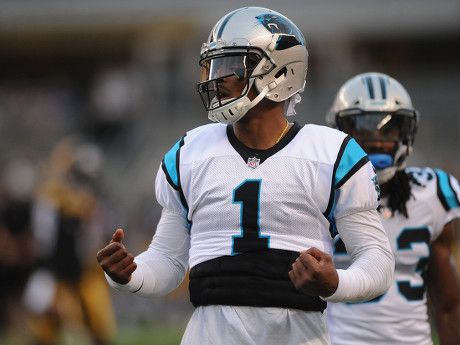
{"x": 374, "y": 107}
{"x": 370, "y": 127}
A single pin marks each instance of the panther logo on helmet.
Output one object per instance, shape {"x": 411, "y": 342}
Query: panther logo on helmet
{"x": 278, "y": 25}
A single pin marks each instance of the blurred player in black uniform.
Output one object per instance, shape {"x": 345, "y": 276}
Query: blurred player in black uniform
{"x": 66, "y": 290}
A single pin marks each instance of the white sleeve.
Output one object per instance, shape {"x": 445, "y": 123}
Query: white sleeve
{"x": 371, "y": 272}
{"x": 163, "y": 266}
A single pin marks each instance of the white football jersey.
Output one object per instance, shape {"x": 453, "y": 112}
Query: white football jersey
{"x": 400, "y": 315}
{"x": 238, "y": 200}
{"x": 262, "y": 205}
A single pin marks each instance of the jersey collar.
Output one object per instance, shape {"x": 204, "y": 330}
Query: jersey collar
{"x": 247, "y": 152}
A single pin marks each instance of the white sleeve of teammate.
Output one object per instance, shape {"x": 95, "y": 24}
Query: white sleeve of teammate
{"x": 163, "y": 266}
{"x": 371, "y": 272}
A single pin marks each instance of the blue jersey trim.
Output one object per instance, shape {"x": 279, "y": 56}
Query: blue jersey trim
{"x": 170, "y": 163}
{"x": 446, "y": 193}
{"x": 352, "y": 154}
{"x": 170, "y": 166}
{"x": 350, "y": 159}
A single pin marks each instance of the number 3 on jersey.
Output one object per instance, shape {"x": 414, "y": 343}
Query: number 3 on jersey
{"x": 404, "y": 243}
{"x": 247, "y": 195}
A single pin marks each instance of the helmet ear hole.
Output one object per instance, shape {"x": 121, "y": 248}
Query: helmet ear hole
{"x": 281, "y": 72}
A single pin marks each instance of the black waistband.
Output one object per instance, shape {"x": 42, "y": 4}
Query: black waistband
{"x": 258, "y": 279}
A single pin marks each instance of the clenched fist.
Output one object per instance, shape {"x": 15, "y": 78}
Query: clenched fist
{"x": 314, "y": 273}
{"x": 115, "y": 259}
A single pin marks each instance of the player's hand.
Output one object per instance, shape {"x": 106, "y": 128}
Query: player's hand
{"x": 314, "y": 273}
{"x": 115, "y": 259}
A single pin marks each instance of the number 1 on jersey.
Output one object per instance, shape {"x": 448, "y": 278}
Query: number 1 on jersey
{"x": 247, "y": 195}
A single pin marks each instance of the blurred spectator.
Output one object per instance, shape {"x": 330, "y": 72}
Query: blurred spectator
{"x": 67, "y": 292}
{"x": 111, "y": 99}
{"x": 16, "y": 243}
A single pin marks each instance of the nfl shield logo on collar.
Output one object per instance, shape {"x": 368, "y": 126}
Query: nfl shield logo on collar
{"x": 253, "y": 162}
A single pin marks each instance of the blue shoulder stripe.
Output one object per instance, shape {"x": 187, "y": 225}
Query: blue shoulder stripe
{"x": 446, "y": 194}
{"x": 170, "y": 164}
{"x": 352, "y": 159}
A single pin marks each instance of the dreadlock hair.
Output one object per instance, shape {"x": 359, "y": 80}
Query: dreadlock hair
{"x": 400, "y": 191}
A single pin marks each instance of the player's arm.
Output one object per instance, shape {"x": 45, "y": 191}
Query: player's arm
{"x": 443, "y": 287}
{"x": 371, "y": 272}
{"x": 354, "y": 191}
{"x": 162, "y": 267}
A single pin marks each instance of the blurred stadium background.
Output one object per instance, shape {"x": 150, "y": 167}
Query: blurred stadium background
{"x": 122, "y": 74}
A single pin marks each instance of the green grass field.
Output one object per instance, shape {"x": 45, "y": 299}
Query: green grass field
{"x": 152, "y": 334}
{"x": 162, "y": 335}
{"x": 166, "y": 334}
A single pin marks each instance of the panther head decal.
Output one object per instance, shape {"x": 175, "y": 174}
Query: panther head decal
{"x": 275, "y": 24}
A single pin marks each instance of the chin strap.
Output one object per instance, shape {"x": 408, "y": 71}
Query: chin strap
{"x": 233, "y": 111}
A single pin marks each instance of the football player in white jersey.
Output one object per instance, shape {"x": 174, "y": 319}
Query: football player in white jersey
{"x": 417, "y": 208}
{"x": 251, "y": 203}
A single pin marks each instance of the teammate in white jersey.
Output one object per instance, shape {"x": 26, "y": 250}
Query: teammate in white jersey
{"x": 251, "y": 203}
{"x": 417, "y": 209}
